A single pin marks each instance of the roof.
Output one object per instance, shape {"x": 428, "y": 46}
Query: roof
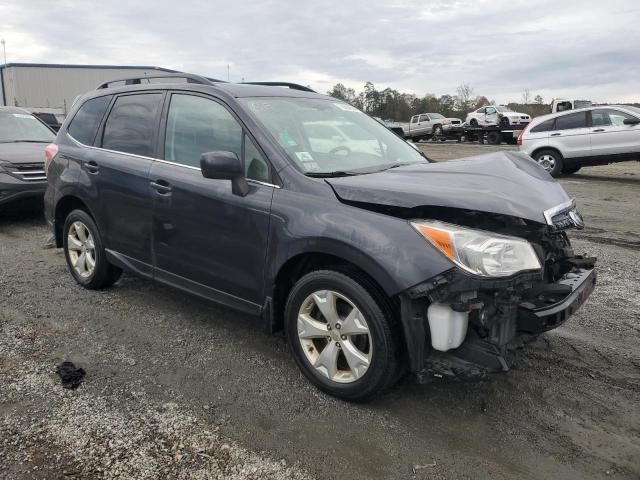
{"x": 67, "y": 65}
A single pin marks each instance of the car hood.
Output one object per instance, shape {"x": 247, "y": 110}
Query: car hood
{"x": 19, "y": 153}
{"x": 507, "y": 183}
{"x": 514, "y": 114}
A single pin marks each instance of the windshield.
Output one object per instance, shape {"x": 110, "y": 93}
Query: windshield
{"x": 635, "y": 110}
{"x": 435, "y": 115}
{"x": 327, "y": 136}
{"x": 504, "y": 109}
{"x": 582, "y": 104}
{"x": 22, "y": 127}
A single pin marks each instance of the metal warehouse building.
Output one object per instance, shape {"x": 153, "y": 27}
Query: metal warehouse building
{"x": 53, "y": 88}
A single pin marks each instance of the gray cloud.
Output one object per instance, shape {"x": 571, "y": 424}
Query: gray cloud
{"x": 581, "y": 48}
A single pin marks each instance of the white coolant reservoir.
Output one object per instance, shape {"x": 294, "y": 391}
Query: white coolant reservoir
{"x": 448, "y": 327}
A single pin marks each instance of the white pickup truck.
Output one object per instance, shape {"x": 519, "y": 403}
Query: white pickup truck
{"x": 427, "y": 124}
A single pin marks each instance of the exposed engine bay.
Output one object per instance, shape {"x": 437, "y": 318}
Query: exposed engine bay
{"x": 470, "y": 323}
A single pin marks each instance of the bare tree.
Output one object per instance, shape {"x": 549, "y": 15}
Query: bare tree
{"x": 465, "y": 97}
{"x": 526, "y": 96}
{"x": 538, "y": 99}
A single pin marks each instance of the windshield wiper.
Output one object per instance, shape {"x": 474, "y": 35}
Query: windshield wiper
{"x": 396, "y": 165}
{"x": 338, "y": 173}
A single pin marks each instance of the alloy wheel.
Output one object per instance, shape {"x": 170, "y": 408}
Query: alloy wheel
{"x": 334, "y": 336}
{"x": 82, "y": 249}
{"x": 547, "y": 161}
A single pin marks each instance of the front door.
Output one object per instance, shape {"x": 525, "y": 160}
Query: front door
{"x": 490, "y": 116}
{"x": 205, "y": 238}
{"x": 611, "y": 136}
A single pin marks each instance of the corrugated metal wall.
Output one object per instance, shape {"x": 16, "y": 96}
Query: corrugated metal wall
{"x": 57, "y": 87}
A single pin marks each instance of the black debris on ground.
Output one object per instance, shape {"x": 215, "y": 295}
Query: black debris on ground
{"x": 70, "y": 375}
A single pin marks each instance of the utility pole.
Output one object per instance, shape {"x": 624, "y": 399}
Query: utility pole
{"x": 4, "y": 49}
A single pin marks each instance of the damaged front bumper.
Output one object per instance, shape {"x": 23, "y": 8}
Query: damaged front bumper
{"x": 501, "y": 313}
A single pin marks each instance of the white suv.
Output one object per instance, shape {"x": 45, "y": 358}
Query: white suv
{"x": 497, "y": 115}
{"x": 566, "y": 141}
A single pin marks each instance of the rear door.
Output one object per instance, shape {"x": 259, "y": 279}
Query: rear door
{"x": 121, "y": 168}
{"x": 610, "y": 136}
{"x": 205, "y": 238}
{"x": 572, "y": 135}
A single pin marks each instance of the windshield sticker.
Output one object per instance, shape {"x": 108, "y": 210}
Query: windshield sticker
{"x": 287, "y": 139}
{"x": 304, "y": 156}
{"x": 345, "y": 107}
{"x": 22, "y": 115}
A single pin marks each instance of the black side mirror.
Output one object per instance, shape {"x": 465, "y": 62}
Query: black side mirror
{"x": 631, "y": 121}
{"x": 223, "y": 165}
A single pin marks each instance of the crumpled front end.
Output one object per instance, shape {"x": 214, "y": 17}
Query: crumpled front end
{"x": 460, "y": 325}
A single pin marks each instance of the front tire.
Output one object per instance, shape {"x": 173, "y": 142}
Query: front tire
{"x": 550, "y": 160}
{"x": 473, "y": 122}
{"x": 85, "y": 254}
{"x": 341, "y": 337}
{"x": 504, "y": 122}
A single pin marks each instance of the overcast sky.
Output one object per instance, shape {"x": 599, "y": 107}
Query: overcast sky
{"x": 573, "y": 48}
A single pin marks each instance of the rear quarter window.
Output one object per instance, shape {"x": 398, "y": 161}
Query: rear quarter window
{"x": 86, "y": 121}
{"x": 544, "y": 126}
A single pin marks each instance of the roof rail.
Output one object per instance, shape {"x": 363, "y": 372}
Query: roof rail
{"x": 293, "y": 86}
{"x": 189, "y": 77}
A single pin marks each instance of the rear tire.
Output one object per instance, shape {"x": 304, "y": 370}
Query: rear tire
{"x": 85, "y": 253}
{"x": 493, "y": 138}
{"x": 550, "y": 160}
{"x": 352, "y": 366}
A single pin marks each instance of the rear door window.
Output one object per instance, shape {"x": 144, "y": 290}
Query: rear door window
{"x": 131, "y": 125}
{"x": 571, "y": 121}
{"x": 85, "y": 123}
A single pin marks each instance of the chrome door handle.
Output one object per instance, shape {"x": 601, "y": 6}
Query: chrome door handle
{"x": 162, "y": 187}
{"x": 92, "y": 167}
{"x": 554, "y": 135}
{"x": 599, "y": 130}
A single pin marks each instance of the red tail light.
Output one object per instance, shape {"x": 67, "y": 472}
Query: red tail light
{"x": 522, "y": 135}
{"x": 50, "y": 152}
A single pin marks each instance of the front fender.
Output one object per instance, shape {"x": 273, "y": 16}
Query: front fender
{"x": 385, "y": 247}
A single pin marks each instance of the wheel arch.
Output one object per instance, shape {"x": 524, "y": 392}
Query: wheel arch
{"x": 540, "y": 149}
{"x": 302, "y": 263}
{"x": 64, "y": 207}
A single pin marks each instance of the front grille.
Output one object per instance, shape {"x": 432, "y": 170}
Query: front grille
{"x": 562, "y": 220}
{"x": 524, "y": 118}
{"x": 29, "y": 172}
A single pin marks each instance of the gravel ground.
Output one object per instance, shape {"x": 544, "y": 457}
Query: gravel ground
{"x": 180, "y": 388}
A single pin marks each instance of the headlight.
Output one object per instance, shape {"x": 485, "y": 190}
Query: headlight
{"x": 478, "y": 252}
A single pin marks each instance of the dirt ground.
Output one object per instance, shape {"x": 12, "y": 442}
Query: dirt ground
{"x": 177, "y": 387}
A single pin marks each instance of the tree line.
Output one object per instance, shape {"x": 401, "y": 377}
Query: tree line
{"x": 389, "y": 104}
